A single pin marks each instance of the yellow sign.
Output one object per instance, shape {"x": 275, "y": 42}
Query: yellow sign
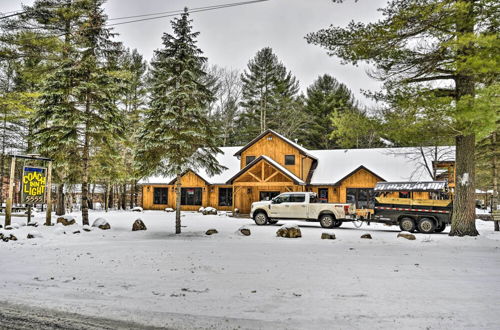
{"x": 34, "y": 185}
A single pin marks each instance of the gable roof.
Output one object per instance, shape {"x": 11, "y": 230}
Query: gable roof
{"x": 226, "y": 159}
{"x": 186, "y": 172}
{"x": 391, "y": 164}
{"x": 301, "y": 149}
{"x": 282, "y": 169}
{"x": 361, "y": 167}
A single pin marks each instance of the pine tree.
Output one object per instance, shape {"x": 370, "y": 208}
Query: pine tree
{"x": 446, "y": 48}
{"x": 77, "y": 103}
{"x": 178, "y": 135}
{"x": 267, "y": 89}
{"x": 325, "y": 97}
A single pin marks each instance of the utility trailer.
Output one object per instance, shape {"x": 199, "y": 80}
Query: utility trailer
{"x": 414, "y": 206}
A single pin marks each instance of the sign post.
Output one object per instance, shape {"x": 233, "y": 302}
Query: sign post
{"x": 8, "y": 206}
{"x": 48, "y": 214}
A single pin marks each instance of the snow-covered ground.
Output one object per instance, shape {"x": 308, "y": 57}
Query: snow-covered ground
{"x": 228, "y": 280}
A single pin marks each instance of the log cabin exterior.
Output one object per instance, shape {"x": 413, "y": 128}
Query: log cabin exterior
{"x": 272, "y": 164}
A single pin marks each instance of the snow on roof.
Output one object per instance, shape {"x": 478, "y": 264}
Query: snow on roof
{"x": 391, "y": 164}
{"x": 226, "y": 159}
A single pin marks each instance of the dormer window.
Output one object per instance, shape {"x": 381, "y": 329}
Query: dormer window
{"x": 289, "y": 159}
{"x": 249, "y": 159}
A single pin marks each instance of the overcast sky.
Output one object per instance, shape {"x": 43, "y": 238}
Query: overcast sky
{"x": 230, "y": 37}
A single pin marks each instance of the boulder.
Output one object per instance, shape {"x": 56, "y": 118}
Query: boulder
{"x": 138, "y": 225}
{"x": 33, "y": 223}
{"x": 366, "y": 236}
{"x": 76, "y": 232}
{"x": 12, "y": 238}
{"x": 9, "y": 227}
{"x": 327, "y": 236}
{"x": 169, "y": 209}
{"x": 201, "y": 209}
{"x": 87, "y": 228}
{"x": 407, "y": 235}
{"x": 289, "y": 231}
{"x": 137, "y": 209}
{"x": 244, "y": 231}
{"x": 209, "y": 210}
{"x": 66, "y": 220}
{"x": 101, "y": 223}
{"x": 211, "y": 232}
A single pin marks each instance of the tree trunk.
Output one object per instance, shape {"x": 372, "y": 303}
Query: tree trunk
{"x": 106, "y": 196}
{"x": 124, "y": 196}
{"x": 85, "y": 181}
{"x": 111, "y": 197}
{"x": 494, "y": 196}
{"x": 178, "y": 204}
{"x": 60, "y": 207}
{"x": 132, "y": 194}
{"x": 463, "y": 221}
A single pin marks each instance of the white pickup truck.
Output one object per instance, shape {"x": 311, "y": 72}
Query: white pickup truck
{"x": 301, "y": 206}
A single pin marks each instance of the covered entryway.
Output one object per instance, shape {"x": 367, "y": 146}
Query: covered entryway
{"x": 262, "y": 179}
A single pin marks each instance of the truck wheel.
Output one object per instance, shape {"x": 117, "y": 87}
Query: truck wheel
{"x": 407, "y": 224}
{"x": 272, "y": 221}
{"x": 337, "y": 223}
{"x": 440, "y": 228}
{"x": 260, "y": 218}
{"x": 426, "y": 225}
{"x": 327, "y": 221}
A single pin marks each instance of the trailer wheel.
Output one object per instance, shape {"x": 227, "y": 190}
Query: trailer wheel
{"x": 260, "y": 218}
{"x": 440, "y": 228}
{"x": 337, "y": 223}
{"x": 407, "y": 224}
{"x": 327, "y": 221}
{"x": 426, "y": 225}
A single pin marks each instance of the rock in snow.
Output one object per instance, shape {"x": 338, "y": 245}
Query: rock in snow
{"x": 407, "y": 235}
{"x": 209, "y": 210}
{"x": 211, "y": 232}
{"x": 244, "y": 231}
{"x": 66, "y": 220}
{"x": 101, "y": 223}
{"x": 138, "y": 225}
{"x": 327, "y": 236}
{"x": 34, "y": 234}
{"x": 169, "y": 209}
{"x": 137, "y": 209}
{"x": 201, "y": 209}
{"x": 289, "y": 231}
{"x": 87, "y": 228}
{"x": 367, "y": 236}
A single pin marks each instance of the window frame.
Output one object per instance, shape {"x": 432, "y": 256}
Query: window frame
{"x": 249, "y": 159}
{"x": 287, "y": 162}
{"x": 370, "y": 194}
{"x": 160, "y": 197}
{"x": 226, "y": 196}
{"x": 184, "y": 194}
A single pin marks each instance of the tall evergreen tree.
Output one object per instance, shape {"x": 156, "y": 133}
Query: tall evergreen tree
{"x": 324, "y": 97}
{"x": 177, "y": 134}
{"x": 77, "y": 107}
{"x": 266, "y": 85}
{"x": 447, "y": 48}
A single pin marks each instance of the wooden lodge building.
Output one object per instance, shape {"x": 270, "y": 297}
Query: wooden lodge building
{"x": 272, "y": 164}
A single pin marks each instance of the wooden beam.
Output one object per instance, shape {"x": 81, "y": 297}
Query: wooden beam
{"x": 263, "y": 171}
{"x": 271, "y": 176}
{"x": 256, "y": 177}
{"x": 261, "y": 184}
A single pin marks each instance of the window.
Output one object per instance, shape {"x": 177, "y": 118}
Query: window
{"x": 404, "y": 194}
{"x": 323, "y": 195}
{"x": 160, "y": 195}
{"x": 190, "y": 196}
{"x": 289, "y": 159}
{"x": 363, "y": 198}
{"x": 300, "y": 198}
{"x": 249, "y": 159}
{"x": 225, "y": 196}
{"x": 282, "y": 199}
{"x": 268, "y": 195}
